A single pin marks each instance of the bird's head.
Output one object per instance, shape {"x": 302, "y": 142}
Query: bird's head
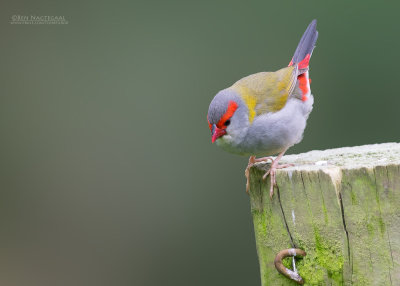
{"x": 226, "y": 115}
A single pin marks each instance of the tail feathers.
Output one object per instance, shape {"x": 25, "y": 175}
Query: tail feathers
{"x": 305, "y": 47}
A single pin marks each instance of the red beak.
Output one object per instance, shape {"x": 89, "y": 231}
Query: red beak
{"x": 216, "y": 133}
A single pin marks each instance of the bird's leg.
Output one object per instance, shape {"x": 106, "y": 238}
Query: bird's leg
{"x": 253, "y": 160}
{"x": 272, "y": 171}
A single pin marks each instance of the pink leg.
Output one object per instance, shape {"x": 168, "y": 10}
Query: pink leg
{"x": 253, "y": 160}
{"x": 272, "y": 172}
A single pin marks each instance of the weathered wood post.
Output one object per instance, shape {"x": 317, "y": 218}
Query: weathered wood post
{"x": 342, "y": 206}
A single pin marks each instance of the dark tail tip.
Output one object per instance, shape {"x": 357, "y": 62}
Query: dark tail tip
{"x": 307, "y": 43}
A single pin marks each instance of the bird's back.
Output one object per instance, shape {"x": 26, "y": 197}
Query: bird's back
{"x": 266, "y": 91}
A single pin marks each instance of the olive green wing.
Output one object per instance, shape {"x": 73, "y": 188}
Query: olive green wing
{"x": 267, "y": 91}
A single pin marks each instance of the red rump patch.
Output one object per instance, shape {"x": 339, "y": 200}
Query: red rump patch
{"x": 304, "y": 63}
{"x": 303, "y": 85}
{"x": 303, "y": 82}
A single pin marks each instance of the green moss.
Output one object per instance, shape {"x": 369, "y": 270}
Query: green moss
{"x": 382, "y": 226}
{"x": 311, "y": 271}
{"x": 373, "y": 224}
{"x": 328, "y": 255}
{"x": 325, "y": 211}
{"x": 287, "y": 262}
{"x": 322, "y": 263}
{"x": 353, "y": 198}
{"x": 370, "y": 228}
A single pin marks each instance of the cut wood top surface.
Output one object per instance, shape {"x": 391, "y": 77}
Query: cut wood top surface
{"x": 366, "y": 156}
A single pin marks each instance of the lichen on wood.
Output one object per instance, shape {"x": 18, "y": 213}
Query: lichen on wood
{"x": 342, "y": 206}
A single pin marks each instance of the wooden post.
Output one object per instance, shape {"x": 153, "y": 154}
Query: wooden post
{"x": 342, "y": 206}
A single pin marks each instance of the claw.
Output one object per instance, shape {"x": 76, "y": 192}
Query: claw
{"x": 266, "y": 174}
{"x": 271, "y": 171}
{"x": 252, "y": 161}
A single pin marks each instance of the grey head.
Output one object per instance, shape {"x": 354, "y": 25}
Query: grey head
{"x": 228, "y": 118}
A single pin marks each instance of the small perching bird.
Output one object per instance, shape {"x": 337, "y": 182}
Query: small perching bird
{"x": 266, "y": 113}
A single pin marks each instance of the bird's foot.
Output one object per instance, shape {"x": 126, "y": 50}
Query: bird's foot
{"x": 252, "y": 161}
{"x": 272, "y": 172}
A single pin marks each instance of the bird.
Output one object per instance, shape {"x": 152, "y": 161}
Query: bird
{"x": 264, "y": 114}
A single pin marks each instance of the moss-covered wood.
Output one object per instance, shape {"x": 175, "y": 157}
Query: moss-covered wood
{"x": 342, "y": 206}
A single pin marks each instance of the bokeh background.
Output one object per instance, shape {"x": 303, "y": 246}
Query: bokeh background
{"x": 107, "y": 172}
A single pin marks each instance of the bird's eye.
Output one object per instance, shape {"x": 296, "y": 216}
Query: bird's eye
{"x": 227, "y": 122}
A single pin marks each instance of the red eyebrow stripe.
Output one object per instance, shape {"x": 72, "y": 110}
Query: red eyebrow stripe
{"x": 232, "y": 106}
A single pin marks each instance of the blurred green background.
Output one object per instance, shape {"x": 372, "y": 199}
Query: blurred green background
{"x": 108, "y": 175}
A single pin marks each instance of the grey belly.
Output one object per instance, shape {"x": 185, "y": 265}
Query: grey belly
{"x": 272, "y": 133}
